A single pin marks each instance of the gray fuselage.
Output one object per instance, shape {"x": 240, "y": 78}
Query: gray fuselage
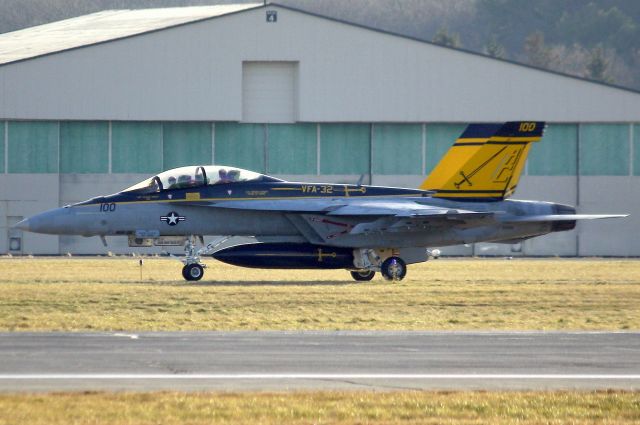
{"x": 187, "y": 214}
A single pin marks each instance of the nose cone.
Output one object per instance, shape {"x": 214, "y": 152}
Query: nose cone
{"x": 23, "y": 225}
{"x": 57, "y": 222}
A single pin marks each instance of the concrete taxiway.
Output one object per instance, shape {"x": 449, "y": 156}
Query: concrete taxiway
{"x": 273, "y": 360}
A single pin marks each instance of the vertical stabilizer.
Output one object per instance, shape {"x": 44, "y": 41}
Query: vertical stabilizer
{"x": 485, "y": 162}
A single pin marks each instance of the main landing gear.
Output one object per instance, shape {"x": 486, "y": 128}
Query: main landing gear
{"x": 363, "y": 275}
{"x": 392, "y": 268}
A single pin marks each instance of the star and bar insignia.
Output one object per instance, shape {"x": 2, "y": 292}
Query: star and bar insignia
{"x": 172, "y": 218}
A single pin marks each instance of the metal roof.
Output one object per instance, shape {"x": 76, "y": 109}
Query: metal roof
{"x": 112, "y": 25}
{"x": 101, "y": 27}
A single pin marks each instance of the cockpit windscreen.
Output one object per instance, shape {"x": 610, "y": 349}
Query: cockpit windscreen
{"x": 196, "y": 176}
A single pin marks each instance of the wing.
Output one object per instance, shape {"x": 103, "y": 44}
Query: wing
{"x": 406, "y": 207}
{"x": 333, "y": 221}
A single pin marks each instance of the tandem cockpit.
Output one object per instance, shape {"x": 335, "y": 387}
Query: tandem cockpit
{"x": 197, "y": 176}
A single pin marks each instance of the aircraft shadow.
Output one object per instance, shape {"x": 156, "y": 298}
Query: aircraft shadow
{"x": 271, "y": 283}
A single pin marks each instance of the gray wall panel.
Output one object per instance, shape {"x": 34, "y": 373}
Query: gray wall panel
{"x": 398, "y": 180}
{"x": 610, "y": 195}
{"x": 79, "y": 187}
{"x": 43, "y": 194}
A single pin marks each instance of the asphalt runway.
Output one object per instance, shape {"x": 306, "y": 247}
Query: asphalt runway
{"x": 237, "y": 361}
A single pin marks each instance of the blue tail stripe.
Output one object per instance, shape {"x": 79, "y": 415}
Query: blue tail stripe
{"x": 478, "y": 131}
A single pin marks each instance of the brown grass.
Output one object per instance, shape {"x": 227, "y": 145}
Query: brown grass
{"x": 323, "y": 408}
{"x": 107, "y": 294}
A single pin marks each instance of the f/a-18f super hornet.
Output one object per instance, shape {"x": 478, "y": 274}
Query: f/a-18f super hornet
{"x": 360, "y": 228}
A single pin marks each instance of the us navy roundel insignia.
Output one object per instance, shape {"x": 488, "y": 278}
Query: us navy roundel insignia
{"x": 172, "y": 218}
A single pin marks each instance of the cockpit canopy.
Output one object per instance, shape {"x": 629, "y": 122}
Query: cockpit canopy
{"x": 197, "y": 176}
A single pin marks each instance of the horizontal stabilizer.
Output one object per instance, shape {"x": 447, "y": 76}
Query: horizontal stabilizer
{"x": 561, "y": 217}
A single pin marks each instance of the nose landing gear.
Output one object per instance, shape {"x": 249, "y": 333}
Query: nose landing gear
{"x": 193, "y": 269}
{"x": 193, "y": 272}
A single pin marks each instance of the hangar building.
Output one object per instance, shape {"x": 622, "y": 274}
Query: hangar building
{"x": 93, "y": 104}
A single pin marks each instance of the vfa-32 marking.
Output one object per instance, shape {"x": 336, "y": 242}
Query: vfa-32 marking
{"x": 323, "y": 189}
{"x": 363, "y": 229}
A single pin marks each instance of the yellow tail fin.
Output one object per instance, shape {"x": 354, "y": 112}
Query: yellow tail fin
{"x": 485, "y": 162}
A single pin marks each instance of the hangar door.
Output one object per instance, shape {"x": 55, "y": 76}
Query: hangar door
{"x": 269, "y": 92}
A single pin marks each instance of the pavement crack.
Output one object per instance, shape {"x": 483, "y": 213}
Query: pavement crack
{"x": 371, "y": 386}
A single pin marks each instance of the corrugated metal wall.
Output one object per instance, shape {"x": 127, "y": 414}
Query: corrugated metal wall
{"x": 33, "y": 147}
{"x": 292, "y": 149}
{"x": 84, "y": 147}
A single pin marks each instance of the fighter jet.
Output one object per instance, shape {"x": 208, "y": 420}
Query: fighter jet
{"x": 360, "y": 228}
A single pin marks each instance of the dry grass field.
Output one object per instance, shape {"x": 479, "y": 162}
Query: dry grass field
{"x": 323, "y": 408}
{"x": 107, "y": 294}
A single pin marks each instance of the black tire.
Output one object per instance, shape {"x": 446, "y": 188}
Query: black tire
{"x": 363, "y": 275}
{"x": 193, "y": 272}
{"x": 393, "y": 268}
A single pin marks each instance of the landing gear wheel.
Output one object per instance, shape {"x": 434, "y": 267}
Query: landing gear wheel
{"x": 193, "y": 272}
{"x": 363, "y": 275}
{"x": 184, "y": 273}
{"x": 393, "y": 268}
